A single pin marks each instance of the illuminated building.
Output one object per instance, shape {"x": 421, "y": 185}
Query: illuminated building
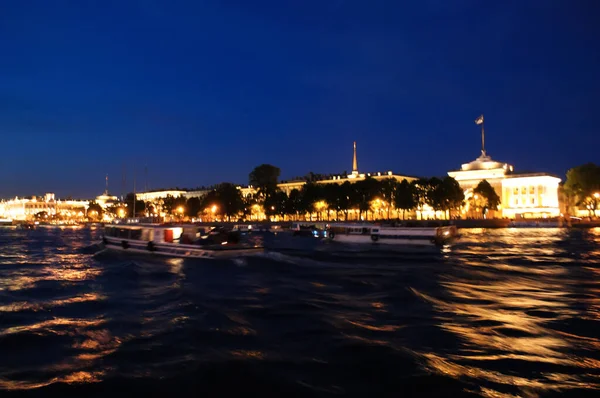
{"x": 288, "y": 186}
{"x": 522, "y": 195}
{"x": 106, "y": 199}
{"x": 156, "y": 199}
{"x": 155, "y": 195}
{"x": 27, "y": 208}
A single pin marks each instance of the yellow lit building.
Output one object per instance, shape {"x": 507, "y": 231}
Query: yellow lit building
{"x": 152, "y": 196}
{"x": 27, "y": 208}
{"x": 156, "y": 198}
{"x": 355, "y": 176}
{"x": 522, "y": 195}
{"x": 155, "y": 195}
{"x": 106, "y": 199}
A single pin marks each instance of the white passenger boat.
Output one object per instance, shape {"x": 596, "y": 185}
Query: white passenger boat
{"x": 175, "y": 241}
{"x": 243, "y": 228}
{"x": 535, "y": 224}
{"x": 397, "y": 236}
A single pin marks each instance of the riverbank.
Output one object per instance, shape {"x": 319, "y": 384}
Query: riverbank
{"x": 461, "y": 224}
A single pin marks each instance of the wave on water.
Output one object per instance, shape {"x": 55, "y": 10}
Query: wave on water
{"x": 504, "y": 313}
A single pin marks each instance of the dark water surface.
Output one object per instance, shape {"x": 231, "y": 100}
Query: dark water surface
{"x": 505, "y": 313}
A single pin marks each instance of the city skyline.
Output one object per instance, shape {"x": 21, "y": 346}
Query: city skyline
{"x": 201, "y": 94}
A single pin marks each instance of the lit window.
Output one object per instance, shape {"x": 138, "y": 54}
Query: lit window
{"x": 532, "y": 201}
{"x": 524, "y": 190}
{"x": 516, "y": 202}
{"x": 532, "y": 189}
{"x": 516, "y": 191}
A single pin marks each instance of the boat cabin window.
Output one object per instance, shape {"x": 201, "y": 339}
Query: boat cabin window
{"x": 146, "y": 234}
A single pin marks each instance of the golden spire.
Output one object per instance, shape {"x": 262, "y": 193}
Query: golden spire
{"x": 354, "y": 162}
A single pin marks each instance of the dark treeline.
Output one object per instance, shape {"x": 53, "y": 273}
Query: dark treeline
{"x": 371, "y": 198}
{"x": 363, "y": 199}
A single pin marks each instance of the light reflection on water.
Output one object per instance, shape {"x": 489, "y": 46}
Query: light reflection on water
{"x": 516, "y": 316}
{"x": 504, "y": 313}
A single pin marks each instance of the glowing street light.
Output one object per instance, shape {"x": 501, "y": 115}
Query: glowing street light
{"x": 597, "y": 195}
{"x": 213, "y": 209}
{"x": 180, "y": 209}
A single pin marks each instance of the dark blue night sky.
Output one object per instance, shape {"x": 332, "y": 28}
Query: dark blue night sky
{"x": 203, "y": 91}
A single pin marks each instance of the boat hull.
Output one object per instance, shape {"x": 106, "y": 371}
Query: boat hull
{"x": 176, "y": 249}
{"x": 394, "y": 236}
{"x": 535, "y": 224}
{"x": 382, "y": 240}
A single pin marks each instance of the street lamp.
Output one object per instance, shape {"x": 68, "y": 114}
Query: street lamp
{"x": 597, "y": 195}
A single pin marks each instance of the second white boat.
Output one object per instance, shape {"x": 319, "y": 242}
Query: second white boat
{"x": 396, "y": 236}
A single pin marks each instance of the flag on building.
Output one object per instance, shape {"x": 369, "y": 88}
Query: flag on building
{"x": 479, "y": 120}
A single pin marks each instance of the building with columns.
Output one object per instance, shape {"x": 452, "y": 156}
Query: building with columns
{"x": 522, "y": 195}
{"x": 106, "y": 199}
{"x": 27, "y": 208}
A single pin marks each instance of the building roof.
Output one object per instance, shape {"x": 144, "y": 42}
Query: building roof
{"x": 483, "y": 162}
{"x": 530, "y": 174}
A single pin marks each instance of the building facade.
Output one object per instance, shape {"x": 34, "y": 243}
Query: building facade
{"x": 289, "y": 186}
{"x": 522, "y": 195}
{"x": 27, "y": 208}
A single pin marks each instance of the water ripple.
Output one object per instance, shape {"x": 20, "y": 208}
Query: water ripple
{"x": 505, "y": 313}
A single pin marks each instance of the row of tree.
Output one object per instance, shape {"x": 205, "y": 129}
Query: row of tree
{"x": 582, "y": 188}
{"x": 369, "y": 197}
{"x": 365, "y": 195}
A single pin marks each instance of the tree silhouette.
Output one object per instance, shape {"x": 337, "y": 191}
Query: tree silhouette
{"x": 294, "y": 203}
{"x": 405, "y": 197}
{"x": 140, "y": 205}
{"x": 452, "y": 194}
{"x": 310, "y": 194}
{"x": 228, "y": 199}
{"x": 346, "y": 191}
{"x": 488, "y": 193}
{"x": 364, "y": 192}
{"x": 94, "y": 211}
{"x": 264, "y": 178}
{"x": 275, "y": 204}
{"x": 583, "y": 183}
{"x": 388, "y": 190}
{"x": 193, "y": 206}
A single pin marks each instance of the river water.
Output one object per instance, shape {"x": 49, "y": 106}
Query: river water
{"x": 504, "y": 313}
